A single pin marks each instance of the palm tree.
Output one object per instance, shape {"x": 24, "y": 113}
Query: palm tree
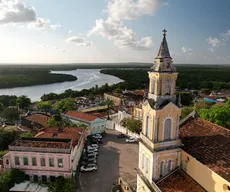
{"x": 110, "y": 104}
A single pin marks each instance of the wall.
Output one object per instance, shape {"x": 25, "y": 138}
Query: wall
{"x": 98, "y": 126}
{"x": 208, "y": 179}
{"x": 116, "y": 100}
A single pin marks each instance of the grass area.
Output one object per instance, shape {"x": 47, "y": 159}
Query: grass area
{"x": 29, "y": 75}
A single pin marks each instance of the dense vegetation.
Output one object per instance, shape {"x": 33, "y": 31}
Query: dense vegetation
{"x": 192, "y": 77}
{"x": 28, "y": 75}
{"x": 62, "y": 185}
{"x": 9, "y": 178}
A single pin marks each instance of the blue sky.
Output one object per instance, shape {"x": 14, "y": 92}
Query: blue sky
{"x": 78, "y": 31}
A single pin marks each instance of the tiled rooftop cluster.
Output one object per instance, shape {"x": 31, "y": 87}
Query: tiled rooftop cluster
{"x": 208, "y": 143}
{"x": 64, "y": 144}
{"x": 179, "y": 182}
{"x": 79, "y": 115}
{"x": 38, "y": 118}
{"x": 66, "y": 133}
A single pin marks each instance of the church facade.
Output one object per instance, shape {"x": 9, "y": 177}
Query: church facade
{"x": 161, "y": 153}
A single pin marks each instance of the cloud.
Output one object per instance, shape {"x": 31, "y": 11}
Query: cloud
{"x": 211, "y": 49}
{"x": 80, "y": 41}
{"x": 186, "y": 50}
{"x": 42, "y": 23}
{"x": 113, "y": 28}
{"x": 70, "y": 31}
{"x": 16, "y": 11}
{"x": 213, "y": 41}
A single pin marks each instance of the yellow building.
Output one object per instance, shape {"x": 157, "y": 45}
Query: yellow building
{"x": 165, "y": 164}
{"x": 116, "y": 98}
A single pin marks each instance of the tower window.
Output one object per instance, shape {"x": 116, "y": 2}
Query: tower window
{"x": 162, "y": 169}
{"x": 148, "y": 126}
{"x": 167, "y": 129}
{"x": 167, "y": 87}
{"x": 169, "y": 165}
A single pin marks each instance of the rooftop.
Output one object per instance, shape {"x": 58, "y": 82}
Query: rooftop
{"x": 38, "y": 118}
{"x": 24, "y": 143}
{"x": 27, "y": 186}
{"x": 79, "y": 115}
{"x": 179, "y": 181}
{"x": 208, "y": 143}
{"x": 67, "y": 133}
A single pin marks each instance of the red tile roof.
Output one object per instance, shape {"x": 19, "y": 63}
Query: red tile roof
{"x": 68, "y": 133}
{"x": 38, "y": 118}
{"x": 179, "y": 181}
{"x": 139, "y": 92}
{"x": 208, "y": 143}
{"x": 79, "y": 115}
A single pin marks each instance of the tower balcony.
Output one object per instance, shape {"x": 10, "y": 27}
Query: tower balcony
{"x": 159, "y": 145}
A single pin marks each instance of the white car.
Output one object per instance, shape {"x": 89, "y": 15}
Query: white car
{"x": 92, "y": 147}
{"x": 92, "y": 150}
{"x": 89, "y": 167}
{"x": 92, "y": 155}
{"x": 97, "y": 136}
{"x": 131, "y": 140}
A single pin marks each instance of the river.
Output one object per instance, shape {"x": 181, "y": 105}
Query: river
{"x": 87, "y": 78}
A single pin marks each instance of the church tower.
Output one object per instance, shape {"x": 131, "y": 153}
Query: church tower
{"x": 159, "y": 146}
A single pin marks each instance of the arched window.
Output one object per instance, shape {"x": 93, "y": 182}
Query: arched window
{"x": 146, "y": 165}
{"x": 143, "y": 161}
{"x": 7, "y": 161}
{"x": 169, "y": 165}
{"x": 167, "y": 129}
{"x": 167, "y": 87}
{"x": 162, "y": 169}
{"x": 147, "y": 126}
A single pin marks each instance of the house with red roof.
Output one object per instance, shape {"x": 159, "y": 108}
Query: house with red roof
{"x": 95, "y": 124}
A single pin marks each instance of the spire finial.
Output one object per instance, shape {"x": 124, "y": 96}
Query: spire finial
{"x": 164, "y": 32}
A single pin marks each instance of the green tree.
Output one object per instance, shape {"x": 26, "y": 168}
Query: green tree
{"x": 55, "y": 120}
{"x": 185, "y": 111}
{"x": 2, "y": 153}
{"x": 218, "y": 115}
{"x": 23, "y": 102}
{"x": 27, "y": 134}
{"x": 1, "y": 107}
{"x": 10, "y": 114}
{"x": 62, "y": 185}
{"x": 6, "y": 138}
{"x": 9, "y": 178}
{"x": 133, "y": 125}
{"x": 64, "y": 105}
{"x": 206, "y": 91}
{"x": 110, "y": 104}
{"x": 45, "y": 106}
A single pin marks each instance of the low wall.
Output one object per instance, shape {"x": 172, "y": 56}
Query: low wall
{"x": 110, "y": 124}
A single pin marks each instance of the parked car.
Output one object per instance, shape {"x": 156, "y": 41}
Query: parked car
{"x": 97, "y": 136}
{"x": 92, "y": 146}
{"x": 131, "y": 140}
{"x": 92, "y": 160}
{"x": 89, "y": 167}
{"x": 96, "y": 141}
{"x": 92, "y": 150}
{"x": 93, "y": 154}
{"x": 121, "y": 135}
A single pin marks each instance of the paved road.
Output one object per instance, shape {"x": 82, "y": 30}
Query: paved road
{"x": 116, "y": 158}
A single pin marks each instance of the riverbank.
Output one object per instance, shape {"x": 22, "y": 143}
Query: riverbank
{"x": 12, "y": 76}
{"x": 86, "y": 79}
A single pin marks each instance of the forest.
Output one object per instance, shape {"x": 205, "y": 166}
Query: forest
{"x": 214, "y": 77}
{"x": 29, "y": 75}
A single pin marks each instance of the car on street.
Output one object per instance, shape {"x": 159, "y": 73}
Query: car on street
{"x": 89, "y": 167}
{"x": 92, "y": 150}
{"x": 121, "y": 135}
{"x": 96, "y": 141}
{"x": 97, "y": 136}
{"x": 93, "y": 154}
{"x": 92, "y": 146}
{"x": 131, "y": 140}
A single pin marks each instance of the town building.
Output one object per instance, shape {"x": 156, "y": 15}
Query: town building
{"x": 51, "y": 153}
{"x": 201, "y": 163}
{"x": 95, "y": 124}
{"x": 35, "y": 121}
{"x": 117, "y": 99}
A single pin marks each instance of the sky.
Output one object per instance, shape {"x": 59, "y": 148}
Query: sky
{"x": 105, "y": 31}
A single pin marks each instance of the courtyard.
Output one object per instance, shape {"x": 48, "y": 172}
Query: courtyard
{"x": 116, "y": 159}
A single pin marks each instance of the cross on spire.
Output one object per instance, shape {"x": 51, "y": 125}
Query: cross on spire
{"x": 164, "y": 32}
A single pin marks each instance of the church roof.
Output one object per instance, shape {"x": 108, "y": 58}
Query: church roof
{"x": 164, "y": 50}
{"x": 179, "y": 181}
{"x": 208, "y": 143}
